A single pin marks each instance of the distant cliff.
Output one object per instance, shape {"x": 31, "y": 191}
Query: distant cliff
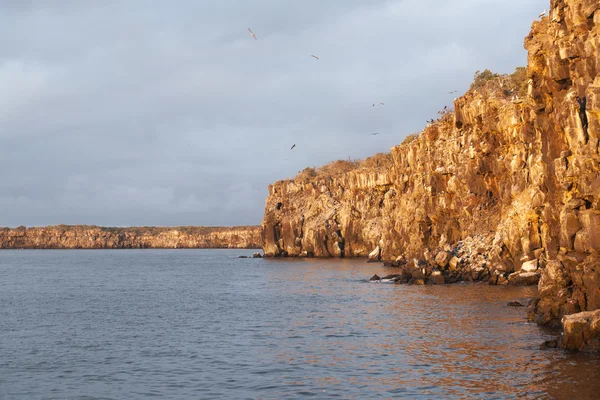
{"x": 513, "y": 171}
{"x": 95, "y": 237}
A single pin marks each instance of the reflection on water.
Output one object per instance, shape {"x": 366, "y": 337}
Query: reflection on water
{"x": 205, "y": 324}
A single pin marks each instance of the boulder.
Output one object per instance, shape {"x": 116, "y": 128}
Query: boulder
{"x": 436, "y": 278}
{"x": 401, "y": 260}
{"x": 453, "y": 263}
{"x": 419, "y": 273}
{"x": 523, "y": 278}
{"x": 581, "y": 331}
{"x": 530, "y": 266}
{"x": 375, "y": 278}
{"x": 375, "y": 255}
{"x": 442, "y": 258}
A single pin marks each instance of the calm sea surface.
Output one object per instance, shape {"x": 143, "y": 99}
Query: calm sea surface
{"x": 203, "y": 324}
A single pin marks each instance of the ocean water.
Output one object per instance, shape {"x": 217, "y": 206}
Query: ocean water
{"x": 205, "y": 324}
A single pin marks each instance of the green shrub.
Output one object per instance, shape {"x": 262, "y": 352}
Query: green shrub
{"x": 509, "y": 85}
{"x": 481, "y": 77}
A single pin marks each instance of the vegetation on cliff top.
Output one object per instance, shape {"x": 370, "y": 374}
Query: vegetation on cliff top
{"x": 509, "y": 84}
{"x": 340, "y": 167}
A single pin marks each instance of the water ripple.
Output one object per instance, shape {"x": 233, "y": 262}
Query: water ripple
{"x": 205, "y": 324}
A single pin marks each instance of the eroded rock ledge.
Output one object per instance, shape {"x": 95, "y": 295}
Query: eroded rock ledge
{"x": 520, "y": 175}
{"x": 95, "y": 237}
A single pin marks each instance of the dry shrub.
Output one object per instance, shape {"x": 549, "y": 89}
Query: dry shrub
{"x": 446, "y": 115}
{"x": 307, "y": 174}
{"x": 409, "y": 139}
{"x": 379, "y": 160}
{"x": 338, "y": 167}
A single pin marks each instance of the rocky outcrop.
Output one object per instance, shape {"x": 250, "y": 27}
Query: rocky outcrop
{"x": 581, "y": 331}
{"x": 94, "y": 237}
{"x": 515, "y": 167}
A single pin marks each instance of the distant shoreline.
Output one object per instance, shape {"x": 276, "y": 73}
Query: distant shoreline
{"x": 97, "y": 237}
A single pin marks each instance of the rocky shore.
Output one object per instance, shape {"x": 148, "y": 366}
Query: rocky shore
{"x": 95, "y": 237}
{"x": 504, "y": 188}
{"x": 467, "y": 261}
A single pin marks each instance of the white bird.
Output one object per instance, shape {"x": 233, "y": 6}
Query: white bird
{"x": 543, "y": 13}
{"x": 315, "y": 57}
{"x": 252, "y": 34}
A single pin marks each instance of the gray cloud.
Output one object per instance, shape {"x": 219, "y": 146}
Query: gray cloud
{"x": 147, "y": 113}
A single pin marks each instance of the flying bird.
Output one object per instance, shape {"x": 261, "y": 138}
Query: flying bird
{"x": 315, "y": 57}
{"x": 542, "y": 14}
{"x": 252, "y": 34}
{"x": 292, "y": 148}
{"x": 375, "y": 133}
{"x": 454, "y": 91}
{"x": 377, "y": 104}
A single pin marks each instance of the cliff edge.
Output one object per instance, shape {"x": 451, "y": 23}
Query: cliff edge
{"x": 507, "y": 183}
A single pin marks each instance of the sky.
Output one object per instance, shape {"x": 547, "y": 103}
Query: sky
{"x": 147, "y": 112}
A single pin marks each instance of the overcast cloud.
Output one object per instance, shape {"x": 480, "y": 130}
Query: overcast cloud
{"x": 146, "y": 112}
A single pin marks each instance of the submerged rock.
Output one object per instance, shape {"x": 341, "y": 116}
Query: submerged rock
{"x": 515, "y": 304}
{"x": 549, "y": 344}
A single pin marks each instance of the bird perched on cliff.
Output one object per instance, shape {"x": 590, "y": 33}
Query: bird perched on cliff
{"x": 377, "y": 104}
{"x": 292, "y": 148}
{"x": 315, "y": 57}
{"x": 252, "y": 34}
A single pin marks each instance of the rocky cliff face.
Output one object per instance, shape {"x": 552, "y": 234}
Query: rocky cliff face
{"x": 515, "y": 176}
{"x": 93, "y": 237}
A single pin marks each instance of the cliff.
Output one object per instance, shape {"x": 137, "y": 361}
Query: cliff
{"x": 94, "y": 237}
{"x": 505, "y": 187}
